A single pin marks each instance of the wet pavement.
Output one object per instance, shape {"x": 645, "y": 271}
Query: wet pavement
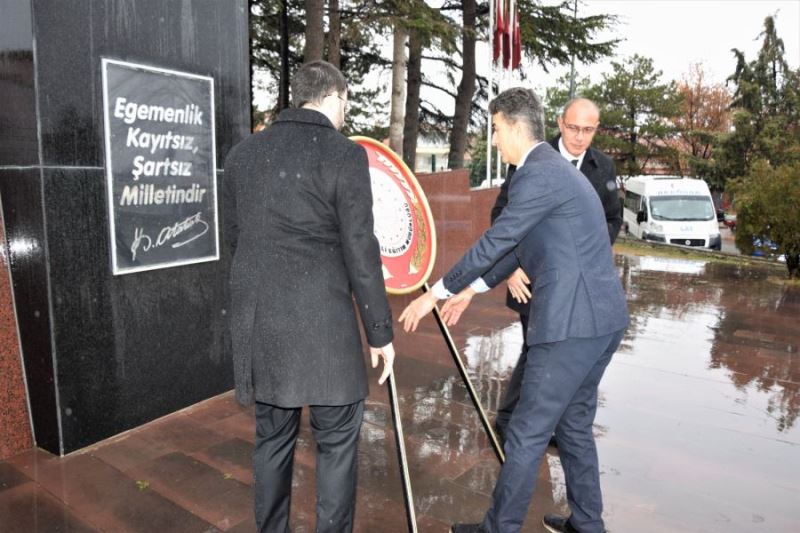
{"x": 697, "y": 428}
{"x": 700, "y": 406}
{"x": 728, "y": 240}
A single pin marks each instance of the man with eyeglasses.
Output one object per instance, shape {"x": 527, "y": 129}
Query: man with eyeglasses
{"x": 578, "y": 124}
{"x": 298, "y": 220}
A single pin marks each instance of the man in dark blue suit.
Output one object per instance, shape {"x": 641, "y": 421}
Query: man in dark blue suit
{"x": 577, "y": 125}
{"x": 554, "y": 228}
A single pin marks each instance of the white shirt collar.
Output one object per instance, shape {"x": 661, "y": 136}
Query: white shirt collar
{"x": 568, "y": 156}
{"x": 526, "y": 154}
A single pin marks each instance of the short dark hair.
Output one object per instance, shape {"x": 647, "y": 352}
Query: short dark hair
{"x": 314, "y": 81}
{"x": 521, "y": 105}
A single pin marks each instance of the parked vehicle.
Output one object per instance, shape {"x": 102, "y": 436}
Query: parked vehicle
{"x": 672, "y": 210}
{"x": 763, "y": 247}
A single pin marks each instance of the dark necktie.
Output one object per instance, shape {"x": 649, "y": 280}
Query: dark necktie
{"x": 574, "y": 162}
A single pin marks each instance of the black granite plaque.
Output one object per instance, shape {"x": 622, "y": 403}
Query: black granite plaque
{"x": 160, "y": 167}
{"x": 105, "y": 353}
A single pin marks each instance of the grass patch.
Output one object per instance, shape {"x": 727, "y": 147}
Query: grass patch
{"x": 638, "y": 247}
{"x": 777, "y": 280}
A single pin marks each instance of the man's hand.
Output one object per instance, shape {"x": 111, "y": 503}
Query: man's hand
{"x": 417, "y": 309}
{"x": 387, "y": 352}
{"x": 452, "y": 308}
{"x": 518, "y": 285}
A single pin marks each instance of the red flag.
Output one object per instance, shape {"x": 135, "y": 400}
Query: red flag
{"x": 507, "y": 29}
{"x": 516, "y": 42}
{"x": 499, "y": 28}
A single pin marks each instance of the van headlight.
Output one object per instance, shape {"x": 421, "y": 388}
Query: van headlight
{"x": 655, "y": 233}
{"x": 655, "y": 237}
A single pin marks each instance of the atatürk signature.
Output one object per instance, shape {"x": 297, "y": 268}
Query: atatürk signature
{"x": 175, "y": 234}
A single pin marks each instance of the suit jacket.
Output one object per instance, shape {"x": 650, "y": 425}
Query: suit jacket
{"x": 600, "y": 171}
{"x": 553, "y": 227}
{"x": 298, "y": 221}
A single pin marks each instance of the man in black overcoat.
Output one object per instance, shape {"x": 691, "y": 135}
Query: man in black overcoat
{"x": 298, "y": 220}
{"x": 578, "y": 123}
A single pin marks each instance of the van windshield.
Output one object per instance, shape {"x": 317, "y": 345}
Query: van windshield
{"x": 681, "y": 208}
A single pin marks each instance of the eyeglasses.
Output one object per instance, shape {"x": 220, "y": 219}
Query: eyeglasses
{"x": 575, "y": 130}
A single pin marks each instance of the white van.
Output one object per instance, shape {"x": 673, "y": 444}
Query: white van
{"x": 671, "y": 209}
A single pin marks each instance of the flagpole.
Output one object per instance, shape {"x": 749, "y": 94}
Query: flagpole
{"x": 489, "y": 96}
{"x": 501, "y": 85}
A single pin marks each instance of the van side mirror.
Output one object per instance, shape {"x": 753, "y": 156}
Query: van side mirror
{"x": 641, "y": 216}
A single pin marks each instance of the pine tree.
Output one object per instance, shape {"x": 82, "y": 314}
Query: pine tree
{"x": 355, "y": 48}
{"x": 760, "y": 159}
{"x": 636, "y": 108}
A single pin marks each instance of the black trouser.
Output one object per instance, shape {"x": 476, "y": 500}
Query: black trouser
{"x": 511, "y": 397}
{"x": 336, "y": 430}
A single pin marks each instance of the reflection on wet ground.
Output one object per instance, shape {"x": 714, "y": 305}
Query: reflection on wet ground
{"x": 700, "y": 405}
{"x": 697, "y": 428}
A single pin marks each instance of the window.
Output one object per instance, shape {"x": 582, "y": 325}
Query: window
{"x": 682, "y": 208}
{"x": 632, "y": 201}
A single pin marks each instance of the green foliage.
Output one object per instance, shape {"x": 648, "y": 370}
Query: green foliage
{"x": 477, "y": 166}
{"x": 360, "y": 53}
{"x": 551, "y": 35}
{"x": 635, "y": 110}
{"x": 767, "y": 201}
{"x": 766, "y": 105}
{"x": 265, "y": 37}
{"x": 760, "y": 159}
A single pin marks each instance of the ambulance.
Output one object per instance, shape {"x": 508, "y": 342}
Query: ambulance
{"x": 672, "y": 210}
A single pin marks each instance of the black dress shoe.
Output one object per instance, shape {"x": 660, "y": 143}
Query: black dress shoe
{"x": 467, "y": 528}
{"x": 557, "y": 524}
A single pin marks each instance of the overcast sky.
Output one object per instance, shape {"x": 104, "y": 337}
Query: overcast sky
{"x": 677, "y": 33}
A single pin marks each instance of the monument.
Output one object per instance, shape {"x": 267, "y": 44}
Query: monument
{"x": 116, "y": 117}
